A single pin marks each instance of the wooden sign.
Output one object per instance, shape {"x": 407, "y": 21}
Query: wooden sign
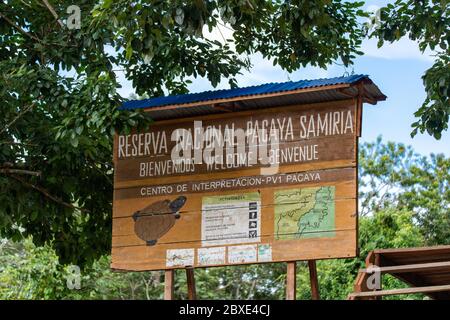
{"x": 256, "y": 186}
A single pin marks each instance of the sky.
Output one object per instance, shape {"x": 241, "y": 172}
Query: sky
{"x": 395, "y": 68}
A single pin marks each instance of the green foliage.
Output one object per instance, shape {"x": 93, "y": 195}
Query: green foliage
{"x": 99, "y": 282}
{"x": 34, "y": 272}
{"x": 390, "y": 228}
{"x": 426, "y": 22}
{"x": 165, "y": 38}
{"x": 297, "y": 33}
{"x": 394, "y": 175}
{"x": 59, "y": 96}
{"x": 30, "y": 272}
{"x": 239, "y": 283}
{"x": 56, "y": 131}
{"x": 435, "y": 112}
{"x": 412, "y": 210}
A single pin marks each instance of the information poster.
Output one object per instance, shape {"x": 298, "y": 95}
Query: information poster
{"x": 261, "y": 200}
{"x": 231, "y": 219}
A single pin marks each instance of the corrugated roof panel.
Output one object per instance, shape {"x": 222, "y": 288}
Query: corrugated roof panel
{"x": 249, "y": 91}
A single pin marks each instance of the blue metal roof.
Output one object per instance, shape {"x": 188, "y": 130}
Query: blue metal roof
{"x": 240, "y": 92}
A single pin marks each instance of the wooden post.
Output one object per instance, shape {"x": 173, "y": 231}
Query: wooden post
{"x": 291, "y": 281}
{"x": 313, "y": 279}
{"x": 372, "y": 259}
{"x": 168, "y": 284}
{"x": 192, "y": 295}
{"x": 377, "y": 262}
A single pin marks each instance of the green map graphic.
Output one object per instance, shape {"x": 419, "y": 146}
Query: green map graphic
{"x": 304, "y": 213}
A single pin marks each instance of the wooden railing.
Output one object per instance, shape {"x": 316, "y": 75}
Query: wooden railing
{"x": 409, "y": 273}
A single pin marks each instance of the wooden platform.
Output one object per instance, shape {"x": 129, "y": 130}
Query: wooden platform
{"x": 426, "y": 270}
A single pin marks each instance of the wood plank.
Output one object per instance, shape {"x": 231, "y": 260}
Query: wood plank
{"x": 127, "y": 165}
{"x": 370, "y": 259}
{"x": 433, "y": 266}
{"x": 345, "y": 176}
{"x": 188, "y": 227}
{"x": 357, "y": 198}
{"x": 377, "y": 262}
{"x": 392, "y": 257}
{"x": 186, "y": 233}
{"x": 419, "y": 250}
{"x": 133, "y": 241}
{"x": 284, "y": 169}
{"x": 160, "y": 142}
{"x": 315, "y": 294}
{"x": 424, "y": 290}
{"x": 361, "y": 282}
{"x": 133, "y": 201}
{"x": 291, "y": 280}
{"x": 306, "y": 107}
{"x": 190, "y": 280}
{"x": 139, "y": 258}
{"x": 314, "y": 151}
{"x": 321, "y": 107}
{"x": 169, "y": 281}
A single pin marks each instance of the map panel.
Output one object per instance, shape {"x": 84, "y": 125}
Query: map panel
{"x": 304, "y": 213}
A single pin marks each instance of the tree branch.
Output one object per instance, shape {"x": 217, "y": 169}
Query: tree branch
{"x": 18, "y": 143}
{"x": 20, "y": 171}
{"x": 28, "y": 108}
{"x": 47, "y": 194}
{"x": 26, "y": 4}
{"x": 18, "y": 28}
{"x": 53, "y": 12}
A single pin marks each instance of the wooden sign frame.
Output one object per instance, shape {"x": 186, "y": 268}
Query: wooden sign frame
{"x": 337, "y": 169}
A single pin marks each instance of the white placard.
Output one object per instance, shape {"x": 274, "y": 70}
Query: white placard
{"x": 264, "y": 252}
{"x": 242, "y": 254}
{"x": 211, "y": 256}
{"x": 180, "y": 257}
